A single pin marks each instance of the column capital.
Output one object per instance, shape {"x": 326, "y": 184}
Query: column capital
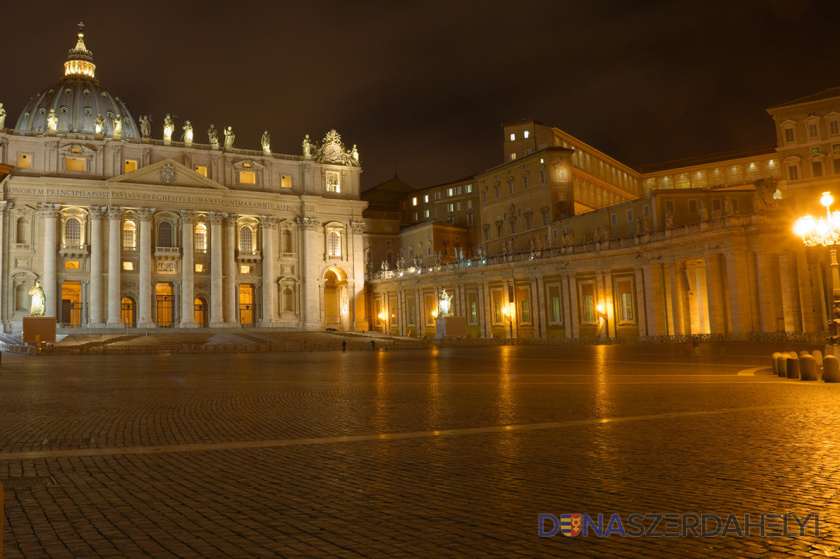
{"x": 269, "y": 221}
{"x": 308, "y": 223}
{"x": 6, "y": 206}
{"x": 216, "y": 218}
{"x": 230, "y": 219}
{"x": 115, "y": 212}
{"x": 97, "y": 212}
{"x": 145, "y": 214}
{"x": 187, "y": 216}
{"x": 358, "y": 227}
{"x": 47, "y": 210}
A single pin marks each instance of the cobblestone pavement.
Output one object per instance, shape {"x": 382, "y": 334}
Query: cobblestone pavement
{"x": 417, "y": 453}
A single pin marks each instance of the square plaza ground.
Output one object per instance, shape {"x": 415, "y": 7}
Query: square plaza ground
{"x": 448, "y": 452}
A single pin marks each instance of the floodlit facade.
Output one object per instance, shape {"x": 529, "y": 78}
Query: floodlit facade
{"x": 574, "y": 245}
{"x": 124, "y": 230}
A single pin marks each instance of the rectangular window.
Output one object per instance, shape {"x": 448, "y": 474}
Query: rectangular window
{"x": 669, "y": 205}
{"x": 613, "y": 219}
{"x": 512, "y": 156}
{"x": 414, "y": 201}
{"x": 130, "y": 165}
{"x": 554, "y": 313}
{"x": 789, "y": 135}
{"x": 458, "y": 190}
{"x": 24, "y": 161}
{"x": 332, "y": 182}
{"x": 426, "y": 199}
{"x": 71, "y": 265}
{"x": 813, "y": 131}
{"x": 74, "y": 164}
{"x": 438, "y": 195}
{"x": 450, "y": 191}
{"x": 247, "y": 177}
{"x": 692, "y": 206}
{"x": 834, "y": 127}
{"x": 243, "y": 269}
{"x": 646, "y": 209}
{"x": 624, "y": 290}
{"x": 468, "y": 189}
{"x": 587, "y": 302}
{"x": 512, "y": 137}
{"x": 816, "y": 166}
{"x": 285, "y": 181}
{"x": 201, "y": 170}
{"x": 793, "y": 172}
{"x": 525, "y": 181}
{"x": 498, "y": 305}
{"x": 524, "y": 296}
{"x": 716, "y": 205}
{"x": 426, "y": 213}
{"x": 128, "y": 266}
{"x": 469, "y": 204}
{"x": 629, "y": 216}
{"x": 510, "y": 187}
{"x": 409, "y": 311}
{"x": 415, "y": 216}
{"x": 458, "y": 206}
{"x": 450, "y": 207}
{"x": 837, "y": 166}
{"x": 200, "y": 268}
{"x": 431, "y": 307}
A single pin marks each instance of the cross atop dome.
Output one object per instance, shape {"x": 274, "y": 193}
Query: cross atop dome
{"x": 80, "y": 59}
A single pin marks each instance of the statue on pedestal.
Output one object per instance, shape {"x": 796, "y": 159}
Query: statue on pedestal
{"x": 265, "y": 142}
{"x": 168, "y": 128}
{"x": 213, "y": 136}
{"x": 52, "y": 120}
{"x": 444, "y": 304}
{"x": 145, "y": 126}
{"x": 98, "y": 124}
{"x": 2, "y": 117}
{"x": 117, "y": 124}
{"x": 307, "y": 147}
{"x": 704, "y": 211}
{"x": 38, "y": 301}
{"x": 229, "y": 137}
{"x": 188, "y": 132}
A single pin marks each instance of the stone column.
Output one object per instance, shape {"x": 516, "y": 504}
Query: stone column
{"x": 114, "y": 264}
{"x": 312, "y": 255}
{"x": 739, "y": 289}
{"x": 216, "y": 309}
{"x": 144, "y": 317}
{"x": 641, "y": 307}
{"x": 48, "y": 213}
{"x": 188, "y": 269}
{"x": 95, "y": 295}
{"x": 718, "y": 319}
{"x": 357, "y": 295}
{"x": 229, "y": 283}
{"x": 677, "y": 297}
{"x": 269, "y": 255}
{"x": 571, "y": 307}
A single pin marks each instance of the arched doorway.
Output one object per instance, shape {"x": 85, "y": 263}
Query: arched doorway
{"x": 71, "y": 304}
{"x": 128, "y": 310}
{"x": 336, "y": 305}
{"x": 246, "y": 304}
{"x": 200, "y": 312}
{"x": 163, "y": 295}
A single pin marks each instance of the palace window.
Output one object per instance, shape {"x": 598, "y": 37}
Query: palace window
{"x": 334, "y": 244}
{"x": 789, "y": 135}
{"x": 164, "y": 234}
{"x": 624, "y": 290}
{"x": 72, "y": 232}
{"x": 813, "y": 131}
{"x": 201, "y": 238}
{"x": 246, "y": 240}
{"x": 587, "y": 303}
{"x": 129, "y": 235}
{"x": 817, "y": 168}
{"x": 498, "y": 191}
{"x": 554, "y": 309}
{"x": 834, "y": 127}
{"x": 793, "y": 172}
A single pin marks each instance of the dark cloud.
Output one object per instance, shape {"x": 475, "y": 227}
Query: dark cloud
{"x": 422, "y": 87}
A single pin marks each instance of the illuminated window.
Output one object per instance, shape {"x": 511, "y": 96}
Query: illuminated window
{"x": 129, "y": 235}
{"x": 200, "y": 268}
{"x": 414, "y": 201}
{"x": 165, "y": 234}
{"x": 72, "y": 232}
{"x": 526, "y": 134}
{"x": 512, "y": 156}
{"x": 426, "y": 213}
{"x": 244, "y": 269}
{"x": 426, "y": 199}
{"x": 285, "y": 181}
{"x": 450, "y": 207}
{"x": 128, "y": 266}
{"x": 201, "y": 169}
{"x": 246, "y": 240}
{"x": 333, "y": 184}
{"x": 587, "y": 303}
{"x": 71, "y": 265}
{"x": 247, "y": 177}
{"x": 512, "y": 137}
{"x": 74, "y": 164}
{"x": 130, "y": 165}
{"x": 334, "y": 243}
{"x": 201, "y": 237}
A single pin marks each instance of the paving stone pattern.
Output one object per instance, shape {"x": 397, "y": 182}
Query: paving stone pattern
{"x": 415, "y": 453}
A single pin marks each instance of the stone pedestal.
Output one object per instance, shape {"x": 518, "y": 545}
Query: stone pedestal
{"x": 450, "y": 327}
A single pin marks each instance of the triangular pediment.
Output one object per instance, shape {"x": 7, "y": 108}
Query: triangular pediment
{"x": 168, "y": 173}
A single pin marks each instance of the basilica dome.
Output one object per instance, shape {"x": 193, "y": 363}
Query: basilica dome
{"x": 77, "y": 100}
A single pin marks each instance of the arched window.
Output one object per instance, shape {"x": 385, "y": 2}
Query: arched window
{"x": 246, "y": 240}
{"x": 72, "y": 232}
{"x": 129, "y": 237}
{"x": 164, "y": 234}
{"x": 22, "y": 231}
{"x": 334, "y": 243}
{"x": 201, "y": 237}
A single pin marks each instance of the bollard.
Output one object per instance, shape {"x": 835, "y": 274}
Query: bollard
{"x": 775, "y": 360}
{"x": 793, "y": 367}
{"x": 817, "y": 355}
{"x": 808, "y": 368}
{"x": 803, "y": 353}
{"x": 781, "y": 365}
{"x": 831, "y": 369}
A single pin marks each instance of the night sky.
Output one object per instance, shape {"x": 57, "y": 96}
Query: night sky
{"x": 422, "y": 87}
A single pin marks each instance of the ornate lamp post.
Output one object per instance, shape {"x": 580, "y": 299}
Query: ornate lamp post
{"x": 825, "y": 232}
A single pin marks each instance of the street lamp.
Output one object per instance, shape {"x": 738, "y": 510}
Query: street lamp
{"x": 825, "y": 232}
{"x": 508, "y": 314}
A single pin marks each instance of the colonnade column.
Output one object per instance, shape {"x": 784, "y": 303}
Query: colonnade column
{"x": 230, "y": 270}
{"x": 48, "y": 213}
{"x": 216, "y": 310}
{"x": 114, "y": 253}
{"x": 269, "y": 287}
{"x": 718, "y": 319}
{"x": 188, "y": 269}
{"x": 95, "y": 295}
{"x": 357, "y": 296}
{"x": 144, "y": 303}
{"x": 313, "y": 248}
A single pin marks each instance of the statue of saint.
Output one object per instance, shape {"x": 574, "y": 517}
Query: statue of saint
{"x": 2, "y": 117}
{"x": 145, "y": 126}
{"x": 727, "y": 207}
{"x": 265, "y": 141}
{"x": 444, "y": 304}
{"x": 98, "y": 124}
{"x": 117, "y": 124}
{"x": 52, "y": 120}
{"x": 188, "y": 132}
{"x": 213, "y": 136}
{"x": 168, "y": 128}
{"x": 307, "y": 147}
{"x": 704, "y": 211}
{"x": 38, "y": 301}
{"x": 669, "y": 219}
{"x": 229, "y": 137}
{"x": 354, "y": 153}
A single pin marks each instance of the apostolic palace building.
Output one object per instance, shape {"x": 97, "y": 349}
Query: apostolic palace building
{"x": 124, "y": 227}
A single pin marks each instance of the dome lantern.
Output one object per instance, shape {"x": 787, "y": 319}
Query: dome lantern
{"x": 80, "y": 59}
